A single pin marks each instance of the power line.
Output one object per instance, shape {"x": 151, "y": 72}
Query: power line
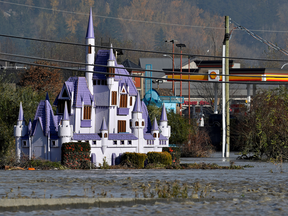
{"x": 127, "y": 68}
{"x": 141, "y": 50}
{"x": 145, "y": 77}
{"x": 257, "y": 37}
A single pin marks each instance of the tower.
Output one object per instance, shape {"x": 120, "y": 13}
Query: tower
{"x": 164, "y": 127}
{"x": 90, "y": 52}
{"x": 137, "y": 123}
{"x": 65, "y": 130}
{"x": 104, "y": 135}
{"x": 20, "y": 130}
{"x": 155, "y": 130}
{"x": 111, "y": 64}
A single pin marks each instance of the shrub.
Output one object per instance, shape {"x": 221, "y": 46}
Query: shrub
{"x": 175, "y": 153}
{"x": 159, "y": 157}
{"x": 263, "y": 131}
{"x": 198, "y": 145}
{"x": 135, "y": 159}
{"x": 76, "y": 155}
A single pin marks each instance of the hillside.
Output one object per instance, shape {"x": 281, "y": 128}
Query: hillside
{"x": 142, "y": 24}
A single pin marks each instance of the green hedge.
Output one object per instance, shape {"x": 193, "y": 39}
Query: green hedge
{"x": 76, "y": 155}
{"x": 175, "y": 153}
{"x": 159, "y": 157}
{"x": 137, "y": 159}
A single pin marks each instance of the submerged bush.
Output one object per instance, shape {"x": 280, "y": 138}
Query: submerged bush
{"x": 133, "y": 159}
{"x": 263, "y": 132}
{"x": 159, "y": 157}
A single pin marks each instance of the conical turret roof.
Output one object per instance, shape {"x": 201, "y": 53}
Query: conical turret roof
{"x": 21, "y": 114}
{"x": 104, "y": 125}
{"x": 155, "y": 125}
{"x": 90, "y": 28}
{"x": 163, "y": 114}
{"x": 66, "y": 114}
{"x": 137, "y": 106}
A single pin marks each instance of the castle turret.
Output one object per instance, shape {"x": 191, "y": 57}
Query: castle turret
{"x": 65, "y": 130}
{"x": 155, "y": 129}
{"x": 164, "y": 127}
{"x": 111, "y": 70}
{"x": 104, "y": 135}
{"x": 90, "y": 52}
{"x": 20, "y": 130}
{"x": 137, "y": 123}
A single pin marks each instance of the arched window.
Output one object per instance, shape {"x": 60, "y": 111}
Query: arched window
{"x": 143, "y": 123}
{"x": 136, "y": 123}
{"x": 105, "y": 135}
{"x": 154, "y": 135}
{"x": 158, "y": 135}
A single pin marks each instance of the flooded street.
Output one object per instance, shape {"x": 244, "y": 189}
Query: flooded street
{"x": 258, "y": 190}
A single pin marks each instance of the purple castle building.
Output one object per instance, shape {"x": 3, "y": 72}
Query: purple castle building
{"x": 104, "y": 110}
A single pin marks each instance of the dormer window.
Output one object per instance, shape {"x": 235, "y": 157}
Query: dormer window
{"x": 123, "y": 100}
{"x": 87, "y": 112}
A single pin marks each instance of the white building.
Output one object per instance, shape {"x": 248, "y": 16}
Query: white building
{"x": 104, "y": 110}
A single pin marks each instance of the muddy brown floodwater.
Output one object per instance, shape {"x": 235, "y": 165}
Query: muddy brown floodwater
{"x": 258, "y": 190}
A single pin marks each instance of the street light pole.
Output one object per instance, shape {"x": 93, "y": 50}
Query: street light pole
{"x": 180, "y": 46}
{"x": 189, "y": 88}
{"x": 173, "y": 65}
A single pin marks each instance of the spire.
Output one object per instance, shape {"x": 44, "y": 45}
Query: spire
{"x": 137, "y": 106}
{"x": 21, "y": 114}
{"x": 104, "y": 125}
{"x": 47, "y": 97}
{"x": 111, "y": 53}
{"x": 155, "y": 125}
{"x": 66, "y": 114}
{"x": 90, "y": 28}
{"x": 163, "y": 114}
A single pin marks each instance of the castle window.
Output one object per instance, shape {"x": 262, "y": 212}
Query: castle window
{"x": 24, "y": 143}
{"x": 123, "y": 100}
{"x": 87, "y": 112}
{"x": 143, "y": 124}
{"x": 158, "y": 135}
{"x": 105, "y": 135}
{"x": 89, "y": 49}
{"x": 103, "y": 82}
{"x": 122, "y": 142}
{"x": 111, "y": 71}
{"x": 121, "y": 126}
{"x": 136, "y": 123}
{"x": 99, "y": 82}
{"x": 154, "y": 135}
{"x": 94, "y": 82}
{"x": 94, "y": 142}
{"x": 115, "y": 142}
{"x": 131, "y": 100}
{"x": 129, "y": 142}
{"x": 53, "y": 143}
{"x": 114, "y": 98}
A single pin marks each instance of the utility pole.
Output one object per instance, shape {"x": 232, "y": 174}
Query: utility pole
{"x": 227, "y": 35}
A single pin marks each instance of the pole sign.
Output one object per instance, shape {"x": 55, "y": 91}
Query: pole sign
{"x": 213, "y": 75}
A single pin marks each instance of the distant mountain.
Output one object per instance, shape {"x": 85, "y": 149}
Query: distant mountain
{"x": 142, "y": 24}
